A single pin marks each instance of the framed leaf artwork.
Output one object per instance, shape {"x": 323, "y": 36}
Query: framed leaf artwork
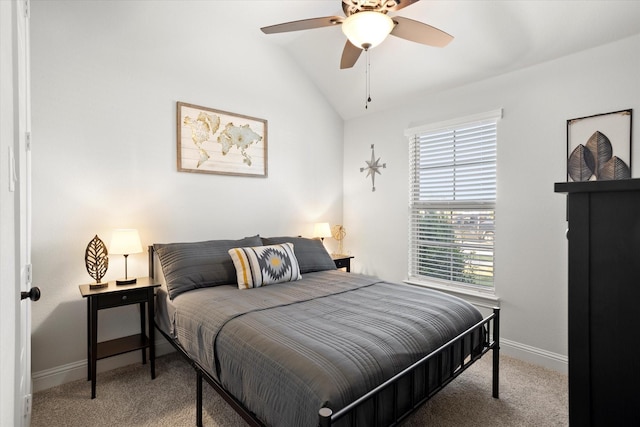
{"x": 219, "y": 142}
{"x": 599, "y": 147}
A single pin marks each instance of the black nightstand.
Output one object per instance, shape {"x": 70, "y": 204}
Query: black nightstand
{"x": 111, "y": 296}
{"x": 342, "y": 261}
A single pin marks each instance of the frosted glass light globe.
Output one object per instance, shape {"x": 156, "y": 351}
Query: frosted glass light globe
{"x": 367, "y": 29}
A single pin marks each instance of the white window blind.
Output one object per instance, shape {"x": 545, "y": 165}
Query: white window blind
{"x": 452, "y": 202}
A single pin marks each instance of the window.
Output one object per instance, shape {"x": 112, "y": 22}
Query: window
{"x": 452, "y": 202}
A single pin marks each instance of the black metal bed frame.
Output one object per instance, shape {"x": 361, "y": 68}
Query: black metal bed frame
{"x": 488, "y": 328}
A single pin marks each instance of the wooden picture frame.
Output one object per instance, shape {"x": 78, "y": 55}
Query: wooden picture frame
{"x": 218, "y": 142}
{"x": 599, "y": 147}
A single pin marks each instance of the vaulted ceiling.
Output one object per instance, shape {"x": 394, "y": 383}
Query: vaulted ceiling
{"x": 491, "y": 38}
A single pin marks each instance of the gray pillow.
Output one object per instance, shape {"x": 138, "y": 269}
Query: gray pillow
{"x": 310, "y": 253}
{"x": 192, "y": 265}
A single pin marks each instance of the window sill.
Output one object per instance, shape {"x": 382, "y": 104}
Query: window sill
{"x": 481, "y": 299}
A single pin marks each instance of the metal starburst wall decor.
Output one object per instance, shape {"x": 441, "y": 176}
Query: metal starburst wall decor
{"x": 373, "y": 168}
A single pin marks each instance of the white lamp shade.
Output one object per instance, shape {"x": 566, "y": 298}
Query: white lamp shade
{"x": 125, "y": 242}
{"x": 367, "y": 29}
{"x": 322, "y": 229}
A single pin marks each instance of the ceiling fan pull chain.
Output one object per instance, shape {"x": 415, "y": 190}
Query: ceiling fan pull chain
{"x": 367, "y": 81}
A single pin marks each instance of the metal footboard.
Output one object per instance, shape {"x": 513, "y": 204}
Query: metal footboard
{"x": 444, "y": 358}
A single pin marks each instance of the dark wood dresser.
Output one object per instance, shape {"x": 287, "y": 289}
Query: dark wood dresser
{"x": 604, "y": 302}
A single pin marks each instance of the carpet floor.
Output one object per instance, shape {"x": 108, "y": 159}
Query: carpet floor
{"x": 529, "y": 396}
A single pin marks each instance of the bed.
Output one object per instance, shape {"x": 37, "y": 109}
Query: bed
{"x": 288, "y": 340}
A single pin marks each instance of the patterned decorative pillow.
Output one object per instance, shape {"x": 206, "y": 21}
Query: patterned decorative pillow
{"x": 265, "y": 265}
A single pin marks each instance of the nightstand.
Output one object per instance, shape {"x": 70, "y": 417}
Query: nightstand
{"x": 342, "y": 261}
{"x": 141, "y": 292}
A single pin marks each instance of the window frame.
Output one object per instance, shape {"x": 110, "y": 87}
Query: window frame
{"x": 484, "y": 292}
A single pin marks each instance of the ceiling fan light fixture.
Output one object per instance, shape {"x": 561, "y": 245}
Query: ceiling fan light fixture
{"x": 367, "y": 29}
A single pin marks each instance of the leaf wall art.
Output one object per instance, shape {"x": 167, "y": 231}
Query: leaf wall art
{"x": 599, "y": 147}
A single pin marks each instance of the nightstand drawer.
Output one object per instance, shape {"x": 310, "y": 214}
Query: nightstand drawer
{"x": 122, "y": 298}
{"x": 342, "y": 263}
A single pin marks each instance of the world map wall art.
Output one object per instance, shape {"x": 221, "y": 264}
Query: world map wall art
{"x": 599, "y": 147}
{"x": 219, "y": 142}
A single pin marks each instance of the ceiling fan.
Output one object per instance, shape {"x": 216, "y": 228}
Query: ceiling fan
{"x": 366, "y": 24}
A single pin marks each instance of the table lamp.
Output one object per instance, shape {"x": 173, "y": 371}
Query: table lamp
{"x": 321, "y": 230}
{"x": 125, "y": 242}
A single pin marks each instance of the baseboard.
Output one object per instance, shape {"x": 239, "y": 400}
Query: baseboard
{"x": 63, "y": 374}
{"x": 547, "y": 359}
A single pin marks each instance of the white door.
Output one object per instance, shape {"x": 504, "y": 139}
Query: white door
{"x": 15, "y": 217}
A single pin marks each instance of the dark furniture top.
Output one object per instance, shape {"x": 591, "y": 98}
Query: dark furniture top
{"x": 598, "y": 186}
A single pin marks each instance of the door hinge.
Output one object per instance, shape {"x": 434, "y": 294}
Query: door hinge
{"x": 26, "y": 8}
{"x": 26, "y": 410}
{"x": 27, "y": 140}
{"x": 27, "y": 273}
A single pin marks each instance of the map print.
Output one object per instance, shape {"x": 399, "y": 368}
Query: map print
{"x": 217, "y": 142}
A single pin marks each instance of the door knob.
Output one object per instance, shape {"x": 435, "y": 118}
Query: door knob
{"x": 33, "y": 294}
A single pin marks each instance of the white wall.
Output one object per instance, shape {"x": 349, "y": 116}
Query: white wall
{"x": 531, "y": 249}
{"x": 106, "y": 77}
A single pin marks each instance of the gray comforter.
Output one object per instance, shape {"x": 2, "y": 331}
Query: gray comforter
{"x": 286, "y": 350}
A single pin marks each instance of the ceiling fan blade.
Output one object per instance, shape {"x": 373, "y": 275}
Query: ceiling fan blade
{"x": 420, "y": 32}
{"x": 304, "y": 24}
{"x": 350, "y": 55}
{"x": 401, "y": 4}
